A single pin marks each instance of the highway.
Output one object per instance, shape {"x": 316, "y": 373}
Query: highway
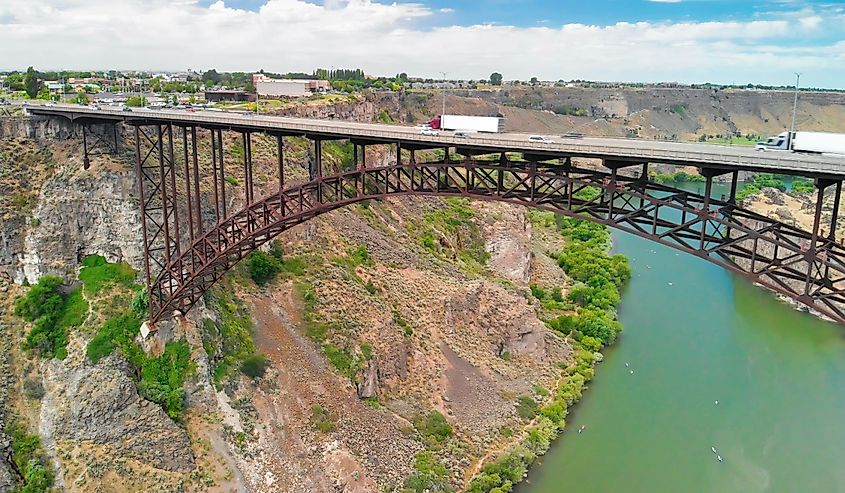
{"x": 702, "y": 155}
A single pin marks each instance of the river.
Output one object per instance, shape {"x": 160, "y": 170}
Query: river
{"x": 696, "y": 334}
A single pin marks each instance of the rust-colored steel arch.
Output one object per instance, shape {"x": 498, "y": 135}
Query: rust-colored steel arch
{"x": 804, "y": 266}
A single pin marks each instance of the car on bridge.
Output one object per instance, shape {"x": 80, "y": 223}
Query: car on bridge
{"x": 541, "y": 139}
{"x": 429, "y": 131}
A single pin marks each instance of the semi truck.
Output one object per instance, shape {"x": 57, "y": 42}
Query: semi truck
{"x": 489, "y": 124}
{"x": 810, "y": 142}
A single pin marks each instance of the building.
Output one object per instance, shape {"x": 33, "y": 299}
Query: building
{"x": 228, "y": 96}
{"x": 290, "y": 88}
{"x": 72, "y": 85}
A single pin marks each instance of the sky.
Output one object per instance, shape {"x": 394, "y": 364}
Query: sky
{"x": 687, "y": 41}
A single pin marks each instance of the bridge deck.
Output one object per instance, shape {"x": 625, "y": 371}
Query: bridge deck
{"x": 631, "y": 150}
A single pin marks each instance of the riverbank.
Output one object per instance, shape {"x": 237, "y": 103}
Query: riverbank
{"x": 587, "y": 318}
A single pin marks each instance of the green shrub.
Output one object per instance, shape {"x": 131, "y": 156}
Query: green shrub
{"x": 526, "y": 407}
{"x": 29, "y": 459}
{"x": 803, "y": 187}
{"x": 140, "y": 303}
{"x": 162, "y": 379}
{"x": 341, "y": 359}
{"x": 119, "y": 331}
{"x": 255, "y": 365}
{"x": 321, "y": 419}
{"x": 53, "y": 313}
{"x": 433, "y": 427}
{"x": 431, "y": 476}
{"x": 263, "y": 267}
{"x": 502, "y": 473}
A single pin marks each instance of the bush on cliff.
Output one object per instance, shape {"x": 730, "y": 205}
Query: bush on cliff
{"x": 29, "y": 459}
{"x": 53, "y": 313}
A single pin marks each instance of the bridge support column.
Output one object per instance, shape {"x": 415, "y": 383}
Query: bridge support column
{"x": 199, "y": 228}
{"x": 734, "y": 181}
{"x": 221, "y": 163}
{"x": 317, "y": 172}
{"x": 86, "y": 163}
{"x": 810, "y": 254}
{"x": 280, "y": 155}
{"x": 835, "y": 217}
{"x": 140, "y": 176}
{"x": 704, "y": 214}
{"x": 248, "y": 184}
{"x": 188, "y": 192}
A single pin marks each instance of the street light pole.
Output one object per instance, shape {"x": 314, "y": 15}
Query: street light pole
{"x": 444, "y": 94}
{"x": 795, "y": 103}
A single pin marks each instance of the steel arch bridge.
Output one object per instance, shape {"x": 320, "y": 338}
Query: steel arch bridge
{"x": 187, "y": 251}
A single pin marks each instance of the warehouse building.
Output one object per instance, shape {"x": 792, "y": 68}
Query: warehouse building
{"x": 266, "y": 87}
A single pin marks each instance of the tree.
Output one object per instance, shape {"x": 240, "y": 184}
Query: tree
{"x": 496, "y": 79}
{"x": 31, "y": 84}
{"x": 211, "y": 76}
{"x": 534, "y": 81}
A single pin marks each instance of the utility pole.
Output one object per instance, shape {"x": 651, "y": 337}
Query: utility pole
{"x": 795, "y": 103}
{"x": 444, "y": 94}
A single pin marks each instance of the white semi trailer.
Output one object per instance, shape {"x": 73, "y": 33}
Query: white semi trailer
{"x": 489, "y": 124}
{"x": 812, "y": 142}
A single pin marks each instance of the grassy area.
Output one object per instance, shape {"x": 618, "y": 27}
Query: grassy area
{"x": 746, "y": 141}
{"x": 97, "y": 274}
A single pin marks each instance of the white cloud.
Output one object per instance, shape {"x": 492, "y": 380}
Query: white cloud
{"x": 383, "y": 38}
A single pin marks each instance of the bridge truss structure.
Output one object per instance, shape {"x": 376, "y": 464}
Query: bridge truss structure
{"x": 189, "y": 246}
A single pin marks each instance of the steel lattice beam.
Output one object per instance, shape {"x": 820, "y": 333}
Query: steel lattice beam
{"x": 795, "y": 263}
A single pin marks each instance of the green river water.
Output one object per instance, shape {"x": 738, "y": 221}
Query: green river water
{"x": 778, "y": 376}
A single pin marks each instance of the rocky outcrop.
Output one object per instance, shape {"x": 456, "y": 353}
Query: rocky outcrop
{"x": 38, "y": 128}
{"x": 100, "y": 405}
{"x": 368, "y": 387}
{"x": 7, "y": 382}
{"x": 507, "y": 238}
{"x": 60, "y": 213}
{"x": 500, "y": 321}
{"x": 90, "y": 213}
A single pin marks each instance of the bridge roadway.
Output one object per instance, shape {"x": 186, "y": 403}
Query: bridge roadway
{"x": 612, "y": 149}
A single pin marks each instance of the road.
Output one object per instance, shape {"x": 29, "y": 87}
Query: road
{"x": 631, "y": 150}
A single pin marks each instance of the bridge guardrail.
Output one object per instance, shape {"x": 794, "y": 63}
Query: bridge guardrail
{"x": 787, "y": 162}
